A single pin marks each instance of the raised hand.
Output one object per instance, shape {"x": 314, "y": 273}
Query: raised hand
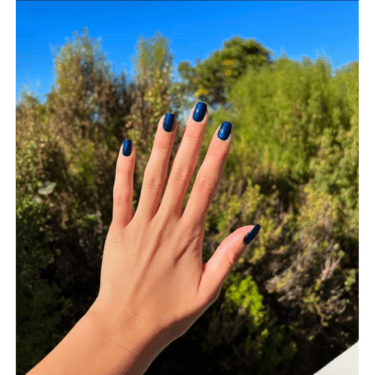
{"x": 152, "y": 273}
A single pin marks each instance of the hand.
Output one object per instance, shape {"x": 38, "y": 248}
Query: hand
{"x": 152, "y": 273}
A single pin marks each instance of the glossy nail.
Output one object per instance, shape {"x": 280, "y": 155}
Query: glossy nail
{"x": 200, "y": 111}
{"x": 127, "y": 147}
{"x": 251, "y": 235}
{"x": 224, "y": 131}
{"x": 168, "y": 122}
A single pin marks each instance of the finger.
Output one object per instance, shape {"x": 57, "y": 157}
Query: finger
{"x": 123, "y": 188}
{"x": 164, "y": 187}
{"x": 157, "y": 169}
{"x": 184, "y": 162}
{"x": 217, "y": 269}
{"x": 209, "y": 175}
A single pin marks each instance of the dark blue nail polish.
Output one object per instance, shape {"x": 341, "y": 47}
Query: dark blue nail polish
{"x": 168, "y": 122}
{"x": 127, "y": 147}
{"x": 251, "y": 235}
{"x": 224, "y": 131}
{"x": 200, "y": 111}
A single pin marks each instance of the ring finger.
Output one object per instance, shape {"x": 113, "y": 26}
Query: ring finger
{"x": 209, "y": 174}
{"x": 185, "y": 161}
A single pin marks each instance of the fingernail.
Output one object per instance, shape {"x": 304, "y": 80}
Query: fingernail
{"x": 127, "y": 147}
{"x": 251, "y": 235}
{"x": 200, "y": 111}
{"x": 168, "y": 122}
{"x": 224, "y": 130}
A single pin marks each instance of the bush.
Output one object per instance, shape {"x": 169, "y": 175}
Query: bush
{"x": 40, "y": 305}
{"x": 248, "y": 332}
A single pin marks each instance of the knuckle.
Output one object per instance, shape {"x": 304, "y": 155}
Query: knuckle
{"x": 179, "y": 175}
{"x": 193, "y": 227}
{"x": 206, "y": 185}
{"x": 153, "y": 181}
{"x": 192, "y": 136}
{"x": 120, "y": 199}
{"x": 161, "y": 145}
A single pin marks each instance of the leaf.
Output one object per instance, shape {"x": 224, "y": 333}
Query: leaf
{"x": 228, "y": 62}
{"x": 201, "y": 92}
{"x": 47, "y": 188}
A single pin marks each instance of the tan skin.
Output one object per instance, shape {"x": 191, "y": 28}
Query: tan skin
{"x": 153, "y": 283}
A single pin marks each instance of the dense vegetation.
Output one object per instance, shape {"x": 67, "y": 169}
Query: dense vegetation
{"x": 291, "y": 303}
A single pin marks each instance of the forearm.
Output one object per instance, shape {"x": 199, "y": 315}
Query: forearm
{"x": 90, "y": 349}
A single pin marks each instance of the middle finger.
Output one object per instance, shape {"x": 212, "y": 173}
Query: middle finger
{"x": 185, "y": 161}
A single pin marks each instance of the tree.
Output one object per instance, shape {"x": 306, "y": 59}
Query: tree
{"x": 87, "y": 99}
{"x": 209, "y": 79}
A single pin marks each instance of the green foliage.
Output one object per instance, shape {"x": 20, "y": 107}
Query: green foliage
{"x": 351, "y": 279}
{"x": 336, "y": 163}
{"x": 293, "y": 168}
{"x": 150, "y": 98}
{"x": 282, "y": 111}
{"x": 87, "y": 100}
{"x": 152, "y": 55}
{"x": 210, "y": 78}
{"x": 40, "y": 305}
{"x": 249, "y": 330}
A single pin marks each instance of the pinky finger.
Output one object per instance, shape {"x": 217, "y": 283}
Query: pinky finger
{"x": 123, "y": 187}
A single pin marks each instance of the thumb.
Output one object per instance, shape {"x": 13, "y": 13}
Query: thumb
{"x": 217, "y": 269}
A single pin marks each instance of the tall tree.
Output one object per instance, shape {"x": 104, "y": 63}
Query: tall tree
{"x": 209, "y": 79}
{"x": 87, "y": 99}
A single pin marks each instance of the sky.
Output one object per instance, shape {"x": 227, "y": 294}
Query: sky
{"x": 195, "y": 29}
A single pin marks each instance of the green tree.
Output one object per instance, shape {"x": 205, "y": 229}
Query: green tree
{"x": 284, "y": 109}
{"x": 87, "y": 99}
{"x": 209, "y": 79}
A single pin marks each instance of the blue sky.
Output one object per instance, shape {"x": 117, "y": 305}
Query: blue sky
{"x": 194, "y": 28}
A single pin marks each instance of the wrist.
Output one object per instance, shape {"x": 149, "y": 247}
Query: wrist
{"x": 86, "y": 349}
{"x": 95, "y": 347}
{"x": 137, "y": 342}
